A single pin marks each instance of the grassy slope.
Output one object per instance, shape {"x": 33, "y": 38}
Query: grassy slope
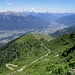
{"x": 22, "y": 51}
{"x": 57, "y": 63}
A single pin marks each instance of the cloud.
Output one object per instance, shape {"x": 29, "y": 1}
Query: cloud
{"x": 8, "y": 3}
{"x": 32, "y": 8}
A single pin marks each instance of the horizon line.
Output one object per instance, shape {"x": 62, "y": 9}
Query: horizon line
{"x": 36, "y": 12}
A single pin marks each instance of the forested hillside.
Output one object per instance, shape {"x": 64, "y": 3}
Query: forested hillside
{"x": 38, "y": 54}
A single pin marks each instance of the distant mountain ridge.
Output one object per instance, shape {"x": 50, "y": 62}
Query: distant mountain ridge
{"x": 24, "y": 20}
{"x": 67, "y": 20}
{"x": 13, "y": 22}
{"x": 31, "y": 20}
{"x": 63, "y": 31}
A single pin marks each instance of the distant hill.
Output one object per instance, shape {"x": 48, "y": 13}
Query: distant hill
{"x": 14, "y": 22}
{"x": 67, "y": 20}
{"x": 63, "y": 31}
{"x": 31, "y": 20}
{"x": 45, "y": 16}
{"x": 24, "y": 20}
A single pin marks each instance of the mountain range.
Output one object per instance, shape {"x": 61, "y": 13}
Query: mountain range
{"x": 31, "y": 20}
{"x": 12, "y": 22}
{"x": 34, "y": 52}
{"x": 67, "y": 20}
{"x": 15, "y": 24}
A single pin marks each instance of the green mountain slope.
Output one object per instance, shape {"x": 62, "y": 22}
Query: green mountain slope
{"x": 23, "y": 50}
{"x": 35, "y": 54}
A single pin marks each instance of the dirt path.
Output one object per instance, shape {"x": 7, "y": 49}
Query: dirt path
{"x": 21, "y": 69}
{"x": 36, "y": 59}
{"x": 43, "y": 46}
{"x": 57, "y": 55}
{"x": 8, "y": 66}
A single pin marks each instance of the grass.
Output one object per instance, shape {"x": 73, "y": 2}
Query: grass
{"x": 30, "y": 49}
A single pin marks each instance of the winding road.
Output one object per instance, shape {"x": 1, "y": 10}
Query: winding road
{"x": 38, "y": 58}
{"x": 8, "y": 66}
{"x": 21, "y": 69}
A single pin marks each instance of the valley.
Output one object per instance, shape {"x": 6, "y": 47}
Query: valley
{"x": 37, "y": 37}
{"x": 37, "y": 44}
{"x": 16, "y": 24}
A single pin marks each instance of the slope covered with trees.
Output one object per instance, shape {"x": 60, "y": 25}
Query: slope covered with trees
{"x": 37, "y": 54}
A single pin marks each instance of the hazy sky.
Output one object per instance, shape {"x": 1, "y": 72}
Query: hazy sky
{"x": 38, "y": 5}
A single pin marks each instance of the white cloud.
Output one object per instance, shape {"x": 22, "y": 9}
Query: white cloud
{"x": 8, "y": 3}
{"x": 32, "y": 8}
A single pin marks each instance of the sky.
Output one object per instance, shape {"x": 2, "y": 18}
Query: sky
{"x": 38, "y": 5}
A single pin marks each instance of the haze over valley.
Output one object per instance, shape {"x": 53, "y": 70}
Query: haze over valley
{"x": 15, "y": 24}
